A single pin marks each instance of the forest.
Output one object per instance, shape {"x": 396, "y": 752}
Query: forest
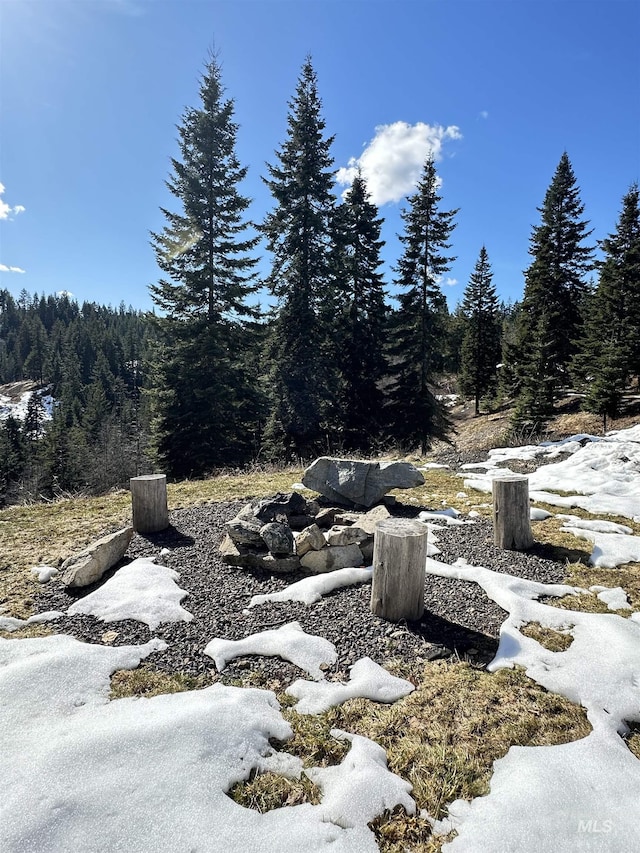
{"x": 208, "y": 380}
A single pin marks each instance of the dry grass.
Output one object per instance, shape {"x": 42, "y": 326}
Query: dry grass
{"x": 555, "y": 641}
{"x": 266, "y": 791}
{"x": 443, "y": 739}
{"x": 150, "y": 682}
{"x": 48, "y": 533}
{"x": 442, "y": 487}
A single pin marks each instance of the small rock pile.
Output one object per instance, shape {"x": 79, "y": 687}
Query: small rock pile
{"x": 285, "y": 533}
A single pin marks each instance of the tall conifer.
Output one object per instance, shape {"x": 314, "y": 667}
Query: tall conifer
{"x": 482, "y": 326}
{"x": 298, "y": 232}
{"x": 416, "y": 416}
{"x": 549, "y": 321}
{"x": 205, "y": 406}
{"x": 610, "y": 349}
{"x": 360, "y": 319}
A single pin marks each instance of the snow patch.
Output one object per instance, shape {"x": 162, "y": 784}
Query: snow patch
{"x": 141, "y": 590}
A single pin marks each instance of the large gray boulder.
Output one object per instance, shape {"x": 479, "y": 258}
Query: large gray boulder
{"x": 346, "y": 481}
{"x": 89, "y": 565}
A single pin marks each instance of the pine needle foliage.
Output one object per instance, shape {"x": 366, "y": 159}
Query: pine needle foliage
{"x": 360, "y": 320}
{"x": 298, "y": 232}
{"x": 550, "y": 318}
{"x": 416, "y": 416}
{"x": 609, "y": 352}
{"x": 481, "y": 343}
{"x": 205, "y": 405}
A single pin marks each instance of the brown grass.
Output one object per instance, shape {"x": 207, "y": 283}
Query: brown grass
{"x": 555, "y": 641}
{"x": 443, "y": 738}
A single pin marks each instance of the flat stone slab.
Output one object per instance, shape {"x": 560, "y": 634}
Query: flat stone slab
{"x": 89, "y": 565}
{"x": 347, "y": 481}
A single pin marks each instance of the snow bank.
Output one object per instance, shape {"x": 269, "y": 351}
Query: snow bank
{"x": 601, "y": 476}
{"x": 11, "y": 623}
{"x": 367, "y": 680}
{"x": 288, "y": 642}
{"x": 559, "y": 797}
{"x": 142, "y": 590}
{"x": 309, "y": 590}
{"x": 81, "y": 772}
{"x": 614, "y": 597}
{"x": 609, "y": 549}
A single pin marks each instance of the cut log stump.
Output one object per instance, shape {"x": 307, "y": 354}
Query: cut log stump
{"x": 511, "y": 518}
{"x": 149, "y": 503}
{"x": 399, "y": 561}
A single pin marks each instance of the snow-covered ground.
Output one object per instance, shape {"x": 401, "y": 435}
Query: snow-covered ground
{"x": 81, "y": 772}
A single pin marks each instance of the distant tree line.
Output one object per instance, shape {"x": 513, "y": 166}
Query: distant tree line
{"x": 91, "y": 360}
{"x": 335, "y": 365}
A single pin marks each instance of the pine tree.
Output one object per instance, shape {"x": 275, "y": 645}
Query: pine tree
{"x": 610, "y": 349}
{"x": 298, "y": 233}
{"x": 360, "y": 319}
{"x": 549, "y": 321}
{"x": 481, "y": 342}
{"x": 201, "y": 390}
{"x": 416, "y": 415}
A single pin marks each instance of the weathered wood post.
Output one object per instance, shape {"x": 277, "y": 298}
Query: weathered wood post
{"x": 149, "y": 503}
{"x": 511, "y": 520}
{"x": 399, "y": 561}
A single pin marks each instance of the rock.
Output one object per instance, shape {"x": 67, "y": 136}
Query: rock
{"x": 245, "y": 530}
{"x": 89, "y": 565}
{"x": 366, "y": 548}
{"x": 369, "y": 520}
{"x": 299, "y": 522}
{"x": 280, "y": 565}
{"x": 310, "y": 539}
{"x": 348, "y": 481}
{"x": 329, "y": 559}
{"x": 347, "y": 517}
{"x": 241, "y": 557}
{"x": 278, "y": 538}
{"x": 326, "y": 516}
{"x": 280, "y": 506}
{"x": 339, "y": 535}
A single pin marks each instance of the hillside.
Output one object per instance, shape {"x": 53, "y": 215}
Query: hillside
{"x": 443, "y": 738}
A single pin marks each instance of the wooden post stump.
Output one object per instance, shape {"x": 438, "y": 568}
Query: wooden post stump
{"x": 149, "y": 503}
{"x": 399, "y": 561}
{"x": 511, "y": 518}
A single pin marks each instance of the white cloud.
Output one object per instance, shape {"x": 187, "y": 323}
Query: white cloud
{"x": 4, "y": 268}
{"x": 392, "y": 161}
{"x": 450, "y": 282}
{"x": 66, "y": 293}
{"x": 6, "y": 211}
{"x": 484, "y": 114}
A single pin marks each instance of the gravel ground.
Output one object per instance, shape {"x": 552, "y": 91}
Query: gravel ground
{"x": 459, "y": 619}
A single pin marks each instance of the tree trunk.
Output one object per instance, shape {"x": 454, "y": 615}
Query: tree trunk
{"x": 511, "y": 517}
{"x": 399, "y": 561}
{"x": 149, "y": 503}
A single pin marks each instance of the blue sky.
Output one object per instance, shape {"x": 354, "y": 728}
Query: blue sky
{"x": 91, "y": 92}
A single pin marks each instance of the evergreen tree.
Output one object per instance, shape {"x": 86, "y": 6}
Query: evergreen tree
{"x": 13, "y": 455}
{"x": 298, "y": 233}
{"x": 610, "y": 349}
{"x": 549, "y": 321}
{"x": 361, "y": 319}
{"x": 481, "y": 342}
{"x": 416, "y": 415}
{"x": 201, "y": 395}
